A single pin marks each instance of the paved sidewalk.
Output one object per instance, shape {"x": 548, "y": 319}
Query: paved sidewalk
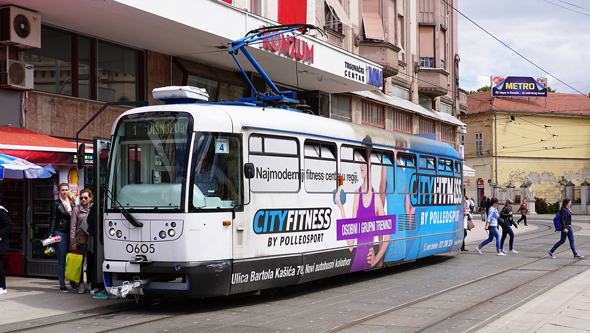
{"x": 563, "y": 309}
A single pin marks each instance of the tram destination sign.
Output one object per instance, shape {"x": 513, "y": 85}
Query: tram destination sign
{"x": 518, "y": 86}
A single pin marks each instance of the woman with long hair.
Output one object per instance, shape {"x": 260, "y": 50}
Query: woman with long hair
{"x": 566, "y": 231}
{"x": 492, "y": 227}
{"x": 59, "y": 225}
{"x": 523, "y": 210}
{"x": 79, "y": 236}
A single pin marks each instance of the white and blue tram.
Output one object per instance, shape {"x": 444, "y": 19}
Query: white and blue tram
{"x": 209, "y": 199}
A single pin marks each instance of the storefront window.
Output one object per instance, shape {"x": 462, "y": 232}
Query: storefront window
{"x": 340, "y": 107}
{"x": 53, "y": 62}
{"x": 117, "y": 73}
{"x": 106, "y": 72}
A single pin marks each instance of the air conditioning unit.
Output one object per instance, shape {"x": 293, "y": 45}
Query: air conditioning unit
{"x": 20, "y": 27}
{"x": 17, "y": 75}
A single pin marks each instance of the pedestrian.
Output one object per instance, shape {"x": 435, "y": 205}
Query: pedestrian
{"x": 492, "y": 227}
{"x": 523, "y": 210}
{"x": 59, "y": 225}
{"x": 566, "y": 231}
{"x": 79, "y": 236}
{"x": 482, "y": 204}
{"x": 471, "y": 205}
{"x": 5, "y": 227}
{"x": 506, "y": 215}
{"x": 466, "y": 217}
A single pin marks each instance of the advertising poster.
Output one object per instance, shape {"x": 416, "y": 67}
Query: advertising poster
{"x": 518, "y": 86}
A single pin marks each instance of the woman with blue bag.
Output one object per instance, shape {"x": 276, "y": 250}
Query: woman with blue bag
{"x": 566, "y": 229}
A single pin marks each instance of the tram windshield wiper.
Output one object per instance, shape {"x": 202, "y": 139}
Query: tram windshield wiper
{"x": 122, "y": 209}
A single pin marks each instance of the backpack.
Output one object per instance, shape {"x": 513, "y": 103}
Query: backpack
{"x": 557, "y": 221}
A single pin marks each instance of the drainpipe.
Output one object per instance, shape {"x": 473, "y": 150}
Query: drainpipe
{"x": 496, "y": 147}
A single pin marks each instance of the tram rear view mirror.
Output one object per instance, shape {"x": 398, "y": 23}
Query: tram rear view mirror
{"x": 249, "y": 170}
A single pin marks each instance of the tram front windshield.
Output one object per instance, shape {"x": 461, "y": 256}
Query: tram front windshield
{"x": 149, "y": 162}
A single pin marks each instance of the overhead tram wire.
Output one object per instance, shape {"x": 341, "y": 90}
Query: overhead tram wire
{"x": 575, "y": 11}
{"x": 513, "y": 50}
{"x": 573, "y": 5}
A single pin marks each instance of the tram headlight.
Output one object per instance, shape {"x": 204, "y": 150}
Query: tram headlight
{"x": 119, "y": 233}
{"x": 110, "y": 223}
{"x": 173, "y": 224}
{"x": 171, "y": 232}
{"x": 112, "y": 232}
{"x": 162, "y": 234}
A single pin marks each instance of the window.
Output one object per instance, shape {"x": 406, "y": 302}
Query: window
{"x": 426, "y": 101}
{"x": 443, "y": 48}
{"x": 220, "y": 85}
{"x": 353, "y": 167}
{"x": 332, "y": 20}
{"x": 402, "y": 121}
{"x": 427, "y": 163}
{"x": 427, "y": 62}
{"x": 400, "y": 92}
{"x": 426, "y": 126}
{"x": 427, "y": 46}
{"x": 406, "y": 165}
{"x": 340, "y": 107}
{"x": 256, "y": 7}
{"x": 149, "y": 161}
{"x": 445, "y": 165}
{"x": 478, "y": 144}
{"x": 276, "y": 162}
{"x": 447, "y": 133}
{"x": 321, "y": 173}
{"x": 446, "y": 108}
{"x": 458, "y": 167}
{"x": 104, "y": 71}
{"x": 401, "y": 37}
{"x": 372, "y": 21}
{"x": 382, "y": 173}
{"x": 117, "y": 73}
{"x": 373, "y": 114}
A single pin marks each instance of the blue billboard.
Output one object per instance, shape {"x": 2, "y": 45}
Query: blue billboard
{"x": 518, "y": 86}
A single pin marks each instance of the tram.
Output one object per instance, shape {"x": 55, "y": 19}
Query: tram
{"x": 211, "y": 199}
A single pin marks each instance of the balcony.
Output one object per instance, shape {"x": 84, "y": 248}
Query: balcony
{"x": 383, "y": 53}
{"x": 432, "y": 82}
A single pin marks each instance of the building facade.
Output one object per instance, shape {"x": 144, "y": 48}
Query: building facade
{"x": 528, "y": 147}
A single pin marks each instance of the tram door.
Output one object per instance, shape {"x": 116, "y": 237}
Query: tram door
{"x": 102, "y": 148}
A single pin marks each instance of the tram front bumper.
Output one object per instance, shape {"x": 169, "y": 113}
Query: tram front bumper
{"x": 170, "y": 279}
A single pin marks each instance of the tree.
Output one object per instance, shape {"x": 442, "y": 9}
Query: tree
{"x": 485, "y": 88}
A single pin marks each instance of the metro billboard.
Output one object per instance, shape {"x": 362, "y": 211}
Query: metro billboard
{"x": 518, "y": 86}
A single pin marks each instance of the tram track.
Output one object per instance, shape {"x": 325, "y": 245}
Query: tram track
{"x": 472, "y": 307}
{"x": 159, "y": 312}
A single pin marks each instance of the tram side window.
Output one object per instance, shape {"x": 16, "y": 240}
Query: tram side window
{"x": 427, "y": 163}
{"x": 353, "y": 168}
{"x": 458, "y": 168}
{"x": 276, "y": 164}
{"x": 321, "y": 173}
{"x": 382, "y": 171}
{"x": 445, "y": 165}
{"x": 406, "y": 167}
{"x": 217, "y": 171}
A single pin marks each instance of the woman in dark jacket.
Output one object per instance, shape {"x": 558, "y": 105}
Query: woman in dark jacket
{"x": 506, "y": 215}
{"x": 5, "y": 227}
{"x": 59, "y": 225}
{"x": 566, "y": 225}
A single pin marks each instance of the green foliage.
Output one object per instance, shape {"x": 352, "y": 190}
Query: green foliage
{"x": 485, "y": 88}
{"x": 554, "y": 207}
{"x": 550, "y": 90}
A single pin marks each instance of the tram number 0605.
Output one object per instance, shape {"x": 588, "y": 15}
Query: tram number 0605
{"x": 140, "y": 248}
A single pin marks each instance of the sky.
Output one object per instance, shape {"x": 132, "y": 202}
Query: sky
{"x": 552, "y": 34}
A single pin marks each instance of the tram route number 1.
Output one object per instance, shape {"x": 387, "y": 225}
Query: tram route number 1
{"x": 140, "y": 248}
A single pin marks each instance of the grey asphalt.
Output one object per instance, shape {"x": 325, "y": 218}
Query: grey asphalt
{"x": 564, "y": 308}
